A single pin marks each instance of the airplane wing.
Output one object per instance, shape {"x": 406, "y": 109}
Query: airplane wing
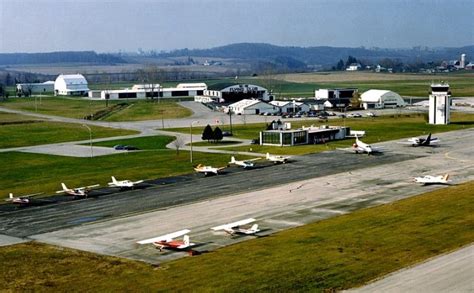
{"x": 234, "y": 224}
{"x": 138, "y": 182}
{"x": 166, "y": 237}
{"x": 90, "y": 186}
{"x": 251, "y": 160}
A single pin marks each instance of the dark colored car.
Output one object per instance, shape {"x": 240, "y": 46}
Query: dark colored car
{"x": 119, "y": 147}
{"x": 130, "y": 148}
{"x": 226, "y": 133}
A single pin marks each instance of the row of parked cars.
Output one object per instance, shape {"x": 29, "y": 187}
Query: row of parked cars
{"x": 357, "y": 115}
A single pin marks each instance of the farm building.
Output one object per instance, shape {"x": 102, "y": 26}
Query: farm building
{"x": 71, "y": 85}
{"x": 291, "y": 106}
{"x": 335, "y": 98}
{"x": 252, "y": 106}
{"x": 26, "y": 89}
{"x": 377, "y": 99}
{"x": 231, "y": 93}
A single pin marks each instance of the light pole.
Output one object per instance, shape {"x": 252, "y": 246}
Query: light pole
{"x": 191, "y": 136}
{"x": 90, "y": 138}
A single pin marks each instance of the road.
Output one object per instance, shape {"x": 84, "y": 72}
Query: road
{"x": 453, "y": 272}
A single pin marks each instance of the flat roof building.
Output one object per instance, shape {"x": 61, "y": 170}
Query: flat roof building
{"x": 231, "y": 93}
{"x": 304, "y": 135}
{"x": 27, "y": 89}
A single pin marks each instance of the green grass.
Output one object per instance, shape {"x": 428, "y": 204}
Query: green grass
{"x": 45, "y": 132}
{"x": 143, "y": 143}
{"x": 338, "y": 253}
{"x": 79, "y": 108}
{"x": 139, "y": 111}
{"x": 24, "y": 173}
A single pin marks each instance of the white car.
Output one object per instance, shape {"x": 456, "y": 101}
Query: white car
{"x": 354, "y": 115}
{"x": 371, "y": 114}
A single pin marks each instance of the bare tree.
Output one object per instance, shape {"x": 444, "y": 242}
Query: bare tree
{"x": 178, "y": 143}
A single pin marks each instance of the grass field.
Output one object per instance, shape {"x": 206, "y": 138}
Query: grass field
{"x": 79, "y": 108}
{"x": 36, "y": 132}
{"x": 24, "y": 173}
{"x": 143, "y": 143}
{"x": 377, "y": 129}
{"x": 339, "y": 253}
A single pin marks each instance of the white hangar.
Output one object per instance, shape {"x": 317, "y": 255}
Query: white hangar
{"x": 378, "y": 99}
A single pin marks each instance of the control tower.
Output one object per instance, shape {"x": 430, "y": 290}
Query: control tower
{"x": 440, "y": 100}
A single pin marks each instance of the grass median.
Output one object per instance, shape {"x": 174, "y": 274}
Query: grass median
{"x": 338, "y": 253}
{"x": 26, "y": 131}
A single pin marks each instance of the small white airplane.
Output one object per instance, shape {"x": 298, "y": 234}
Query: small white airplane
{"x": 167, "y": 241}
{"x": 362, "y": 147}
{"x": 207, "y": 169}
{"x": 428, "y": 179}
{"x": 123, "y": 184}
{"x": 420, "y": 141}
{"x": 21, "y": 200}
{"x": 236, "y": 227}
{"x": 77, "y": 192}
{"x": 246, "y": 164}
{"x": 277, "y": 159}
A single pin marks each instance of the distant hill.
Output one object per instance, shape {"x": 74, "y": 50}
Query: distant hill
{"x": 321, "y": 55}
{"x": 59, "y": 57}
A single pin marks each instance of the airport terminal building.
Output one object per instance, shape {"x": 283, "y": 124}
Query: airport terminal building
{"x": 285, "y": 136}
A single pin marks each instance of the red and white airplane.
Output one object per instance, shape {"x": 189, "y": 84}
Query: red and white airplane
{"x": 123, "y": 184}
{"x": 428, "y": 179}
{"x": 77, "y": 192}
{"x": 21, "y": 200}
{"x": 236, "y": 227}
{"x": 167, "y": 241}
{"x": 208, "y": 169}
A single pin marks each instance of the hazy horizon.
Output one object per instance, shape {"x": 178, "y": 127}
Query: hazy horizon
{"x": 29, "y": 26}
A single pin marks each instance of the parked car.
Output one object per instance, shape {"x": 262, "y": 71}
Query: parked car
{"x": 354, "y": 115}
{"x": 342, "y": 115}
{"x": 226, "y": 133}
{"x": 130, "y": 148}
{"x": 331, "y": 113}
{"x": 255, "y": 141}
{"x": 119, "y": 147}
{"x": 371, "y": 114}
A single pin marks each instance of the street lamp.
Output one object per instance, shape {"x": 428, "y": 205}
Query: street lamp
{"x": 90, "y": 138}
{"x": 191, "y": 136}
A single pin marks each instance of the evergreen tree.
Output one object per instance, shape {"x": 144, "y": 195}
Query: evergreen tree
{"x": 207, "y": 134}
{"x": 340, "y": 65}
{"x": 217, "y": 135}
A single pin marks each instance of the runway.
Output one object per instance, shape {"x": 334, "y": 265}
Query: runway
{"x": 308, "y": 189}
{"x": 447, "y": 273}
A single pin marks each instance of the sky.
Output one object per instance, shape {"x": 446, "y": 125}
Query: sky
{"x": 126, "y": 25}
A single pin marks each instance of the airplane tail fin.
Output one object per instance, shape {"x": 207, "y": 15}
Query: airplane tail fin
{"x": 254, "y": 228}
{"x": 114, "y": 180}
{"x": 268, "y": 155}
{"x": 428, "y": 139}
{"x": 11, "y": 195}
{"x": 446, "y": 177}
{"x": 64, "y": 186}
{"x": 186, "y": 240}
{"x": 232, "y": 160}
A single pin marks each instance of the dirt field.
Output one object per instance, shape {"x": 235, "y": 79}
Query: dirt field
{"x": 323, "y": 77}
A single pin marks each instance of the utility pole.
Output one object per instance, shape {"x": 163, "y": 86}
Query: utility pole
{"x": 90, "y": 138}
